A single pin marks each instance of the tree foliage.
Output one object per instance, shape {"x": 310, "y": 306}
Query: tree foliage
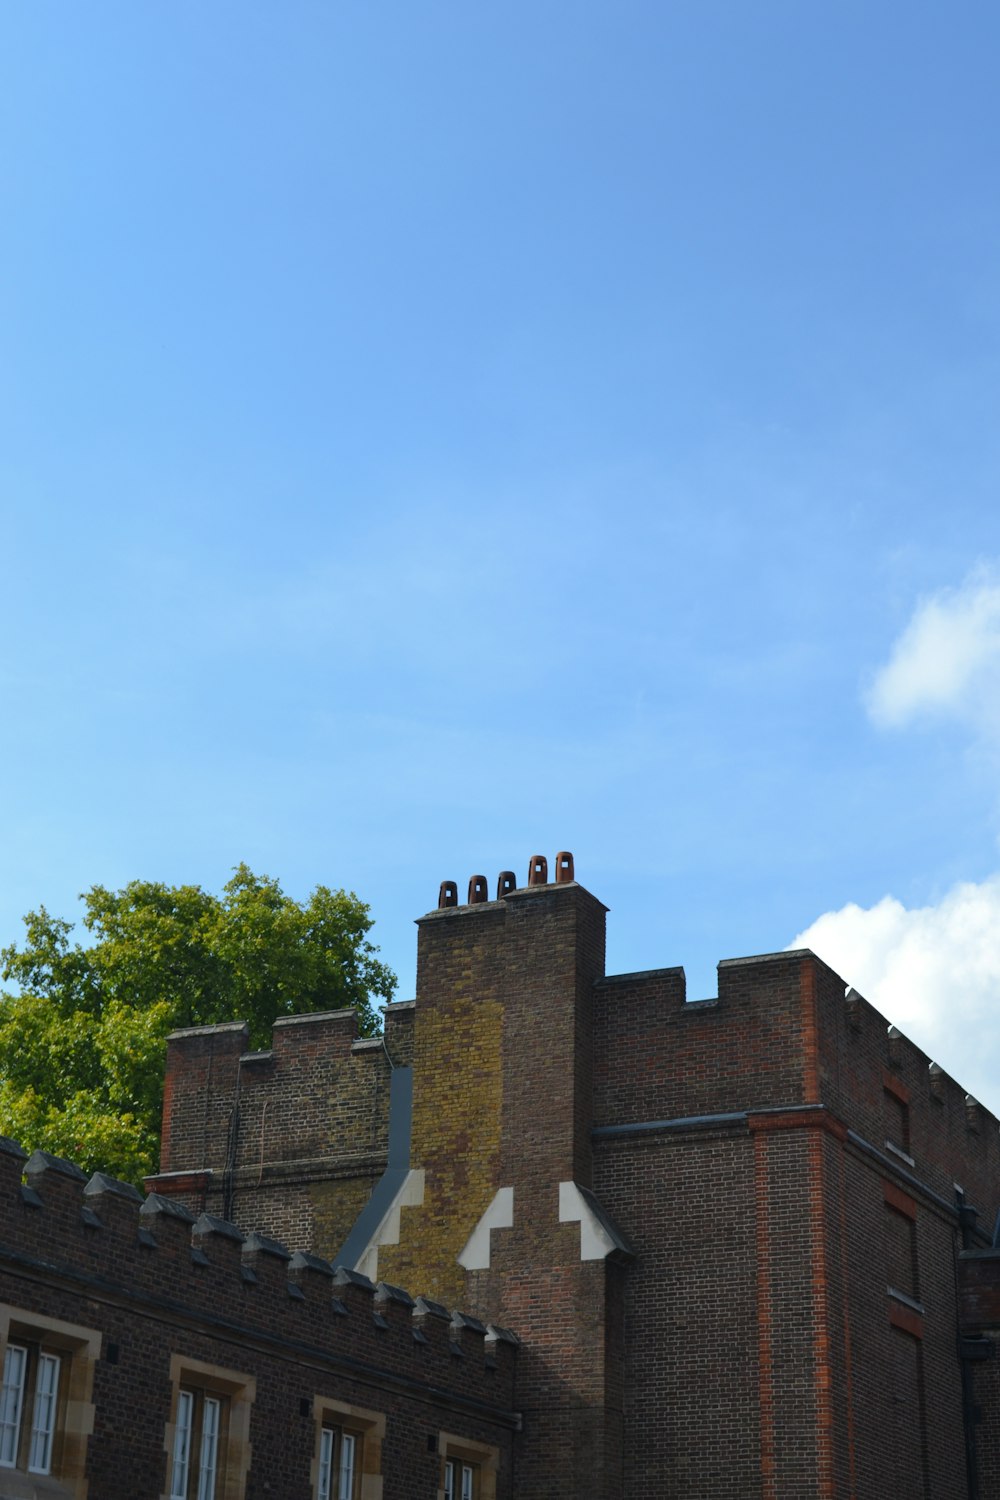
{"x": 82, "y": 1043}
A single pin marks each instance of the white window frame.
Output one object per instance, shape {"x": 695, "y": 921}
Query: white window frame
{"x": 12, "y": 1403}
{"x": 345, "y": 1477}
{"x": 198, "y": 1412}
{"x": 327, "y": 1443}
{"x": 180, "y": 1459}
{"x": 208, "y": 1458}
{"x": 44, "y": 1407}
{"x": 44, "y": 1412}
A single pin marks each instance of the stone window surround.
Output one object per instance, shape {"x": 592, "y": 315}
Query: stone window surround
{"x": 80, "y": 1349}
{"x": 239, "y": 1392}
{"x": 485, "y": 1458}
{"x": 367, "y": 1426}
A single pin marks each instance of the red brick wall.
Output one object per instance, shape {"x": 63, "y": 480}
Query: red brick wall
{"x": 979, "y": 1296}
{"x": 657, "y": 1058}
{"x": 985, "y": 1392}
{"x": 199, "y": 1086}
{"x": 296, "y": 1137}
{"x": 752, "y": 1347}
{"x": 690, "y": 1367}
{"x": 948, "y": 1142}
{"x": 761, "y": 1338}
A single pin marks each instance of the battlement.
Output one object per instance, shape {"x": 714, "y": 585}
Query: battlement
{"x": 293, "y": 1136}
{"x": 144, "y": 1308}
{"x": 900, "y": 1098}
{"x": 103, "y": 1237}
{"x": 785, "y": 1031}
{"x": 210, "y": 1073}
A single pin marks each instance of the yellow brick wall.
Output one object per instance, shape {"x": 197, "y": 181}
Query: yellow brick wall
{"x": 456, "y": 1106}
{"x": 335, "y": 1206}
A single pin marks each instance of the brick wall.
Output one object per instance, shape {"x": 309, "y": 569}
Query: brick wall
{"x": 88, "y": 1256}
{"x": 289, "y": 1141}
{"x": 741, "y": 1145}
{"x": 979, "y": 1294}
{"x": 862, "y": 1069}
{"x": 200, "y": 1081}
{"x": 457, "y": 1092}
{"x": 658, "y": 1058}
{"x": 690, "y": 1367}
{"x": 503, "y": 1099}
{"x": 777, "y": 1159}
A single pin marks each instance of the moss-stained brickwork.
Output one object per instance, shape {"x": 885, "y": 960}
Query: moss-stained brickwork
{"x": 334, "y": 1206}
{"x": 502, "y": 1088}
{"x": 456, "y": 1112}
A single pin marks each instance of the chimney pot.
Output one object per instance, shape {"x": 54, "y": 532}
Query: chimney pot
{"x": 477, "y": 890}
{"x": 448, "y": 894}
{"x": 564, "y": 867}
{"x": 505, "y": 884}
{"x": 538, "y": 870}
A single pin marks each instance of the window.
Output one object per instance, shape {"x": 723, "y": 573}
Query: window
{"x": 347, "y": 1458}
{"x": 468, "y": 1469}
{"x": 896, "y": 1109}
{"x": 196, "y": 1446}
{"x": 46, "y": 1413}
{"x": 901, "y": 1248}
{"x": 897, "y": 1122}
{"x": 337, "y": 1466}
{"x": 28, "y": 1408}
{"x": 208, "y": 1435}
{"x": 460, "y": 1480}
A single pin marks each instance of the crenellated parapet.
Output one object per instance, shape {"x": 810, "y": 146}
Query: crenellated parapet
{"x": 901, "y": 1100}
{"x": 141, "y": 1312}
{"x": 291, "y": 1137}
{"x": 785, "y": 1032}
{"x": 102, "y": 1238}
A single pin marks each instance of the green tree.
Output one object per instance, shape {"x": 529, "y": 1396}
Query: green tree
{"x": 82, "y": 1043}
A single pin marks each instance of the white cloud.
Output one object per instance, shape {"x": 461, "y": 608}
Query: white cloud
{"x": 947, "y": 660}
{"x": 933, "y": 971}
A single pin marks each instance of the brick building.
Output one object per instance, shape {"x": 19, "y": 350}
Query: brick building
{"x": 737, "y": 1238}
{"x": 148, "y": 1353}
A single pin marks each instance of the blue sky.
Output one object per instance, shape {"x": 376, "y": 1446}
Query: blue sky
{"x": 436, "y": 434}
